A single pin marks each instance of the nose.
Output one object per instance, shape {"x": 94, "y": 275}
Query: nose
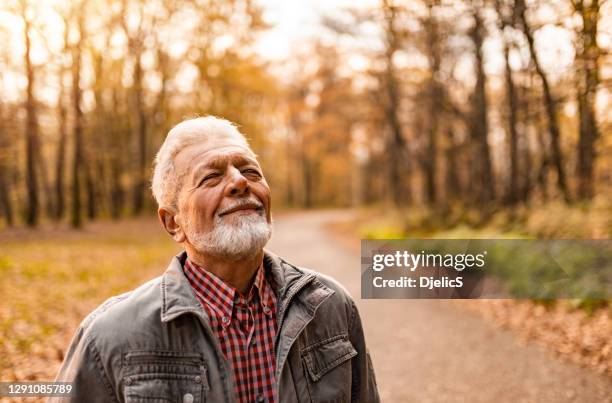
{"x": 237, "y": 184}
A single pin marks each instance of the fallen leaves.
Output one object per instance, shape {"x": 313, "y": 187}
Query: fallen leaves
{"x": 581, "y": 337}
{"x": 50, "y": 281}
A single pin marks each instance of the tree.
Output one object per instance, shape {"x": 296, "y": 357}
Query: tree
{"x": 321, "y": 109}
{"x": 481, "y": 172}
{"x": 550, "y": 103}
{"x": 31, "y": 125}
{"x": 6, "y": 168}
{"x": 506, "y": 22}
{"x": 77, "y": 160}
{"x": 435, "y": 94}
{"x": 587, "y": 72}
{"x": 60, "y": 158}
{"x": 395, "y": 144}
{"x": 6, "y": 206}
{"x": 136, "y": 42}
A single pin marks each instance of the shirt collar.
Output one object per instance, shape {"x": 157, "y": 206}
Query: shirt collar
{"x": 221, "y": 296}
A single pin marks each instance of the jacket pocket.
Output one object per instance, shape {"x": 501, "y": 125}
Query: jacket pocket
{"x": 164, "y": 376}
{"x": 329, "y": 369}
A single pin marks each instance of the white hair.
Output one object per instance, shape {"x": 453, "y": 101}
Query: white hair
{"x": 165, "y": 182}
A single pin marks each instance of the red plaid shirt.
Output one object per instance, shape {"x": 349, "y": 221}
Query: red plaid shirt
{"x": 245, "y": 327}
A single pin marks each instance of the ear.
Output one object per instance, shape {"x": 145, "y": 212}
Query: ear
{"x": 171, "y": 222}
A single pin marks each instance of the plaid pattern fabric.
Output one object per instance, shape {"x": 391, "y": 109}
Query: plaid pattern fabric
{"x": 245, "y": 327}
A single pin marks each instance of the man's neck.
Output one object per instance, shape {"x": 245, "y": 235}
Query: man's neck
{"x": 237, "y": 273}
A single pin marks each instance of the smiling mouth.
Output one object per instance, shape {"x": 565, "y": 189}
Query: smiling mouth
{"x": 244, "y": 209}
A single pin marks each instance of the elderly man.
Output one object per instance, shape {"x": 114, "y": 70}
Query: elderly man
{"x": 228, "y": 321}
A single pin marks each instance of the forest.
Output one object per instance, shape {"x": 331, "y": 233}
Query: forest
{"x": 447, "y": 105}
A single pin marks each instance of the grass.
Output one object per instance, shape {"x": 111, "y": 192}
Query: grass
{"x": 554, "y": 220}
{"x": 551, "y": 220}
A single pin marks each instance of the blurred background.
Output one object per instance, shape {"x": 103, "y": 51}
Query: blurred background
{"x": 414, "y": 118}
{"x": 483, "y": 104}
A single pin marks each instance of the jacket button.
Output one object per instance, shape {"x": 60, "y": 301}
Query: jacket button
{"x": 128, "y": 381}
{"x": 187, "y": 398}
{"x": 198, "y": 379}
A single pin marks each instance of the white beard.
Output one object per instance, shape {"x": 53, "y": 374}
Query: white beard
{"x": 233, "y": 241}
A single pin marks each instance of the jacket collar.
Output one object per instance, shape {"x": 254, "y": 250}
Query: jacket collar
{"x": 176, "y": 293}
{"x": 179, "y": 298}
{"x": 221, "y": 296}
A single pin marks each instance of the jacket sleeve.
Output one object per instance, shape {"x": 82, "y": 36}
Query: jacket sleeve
{"x": 363, "y": 387}
{"x": 83, "y": 368}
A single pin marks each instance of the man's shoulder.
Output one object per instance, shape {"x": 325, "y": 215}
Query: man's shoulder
{"x": 120, "y": 313}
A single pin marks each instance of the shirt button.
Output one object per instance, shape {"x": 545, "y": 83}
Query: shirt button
{"x": 260, "y": 398}
{"x": 225, "y": 320}
{"x": 187, "y": 398}
{"x": 198, "y": 379}
{"x": 267, "y": 310}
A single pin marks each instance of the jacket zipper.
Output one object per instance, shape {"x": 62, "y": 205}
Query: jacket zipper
{"x": 292, "y": 292}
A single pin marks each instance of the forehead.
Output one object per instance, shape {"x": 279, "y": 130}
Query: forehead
{"x": 213, "y": 152}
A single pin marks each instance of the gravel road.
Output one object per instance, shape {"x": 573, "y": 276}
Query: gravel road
{"x": 435, "y": 351}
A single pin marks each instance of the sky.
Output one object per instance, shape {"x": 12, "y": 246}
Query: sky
{"x": 295, "y": 20}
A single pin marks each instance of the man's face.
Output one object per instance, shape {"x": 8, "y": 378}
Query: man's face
{"x": 224, "y": 200}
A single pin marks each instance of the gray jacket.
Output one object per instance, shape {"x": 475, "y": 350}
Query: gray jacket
{"x": 155, "y": 344}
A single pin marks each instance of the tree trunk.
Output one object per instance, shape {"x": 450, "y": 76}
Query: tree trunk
{"x": 453, "y": 182}
{"x": 117, "y": 166}
{"x": 291, "y": 156}
{"x": 308, "y": 185}
{"x": 549, "y": 104}
{"x": 116, "y": 191}
{"x": 588, "y": 80}
{"x": 46, "y": 183}
{"x": 525, "y": 175}
{"x": 542, "y": 175}
{"x": 90, "y": 190}
{"x": 482, "y": 173}
{"x": 60, "y": 161}
{"x": 31, "y": 128}
{"x": 78, "y": 163}
{"x": 512, "y": 195}
{"x": 513, "y": 189}
{"x": 6, "y": 206}
{"x": 395, "y": 143}
{"x": 141, "y": 137}
{"x": 435, "y": 103}
{"x": 60, "y": 158}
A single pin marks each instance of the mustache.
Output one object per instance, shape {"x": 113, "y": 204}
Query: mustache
{"x": 241, "y": 204}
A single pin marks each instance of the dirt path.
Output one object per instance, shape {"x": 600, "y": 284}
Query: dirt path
{"x": 434, "y": 351}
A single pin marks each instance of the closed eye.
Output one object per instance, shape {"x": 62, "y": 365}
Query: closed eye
{"x": 208, "y": 177}
{"x": 251, "y": 172}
